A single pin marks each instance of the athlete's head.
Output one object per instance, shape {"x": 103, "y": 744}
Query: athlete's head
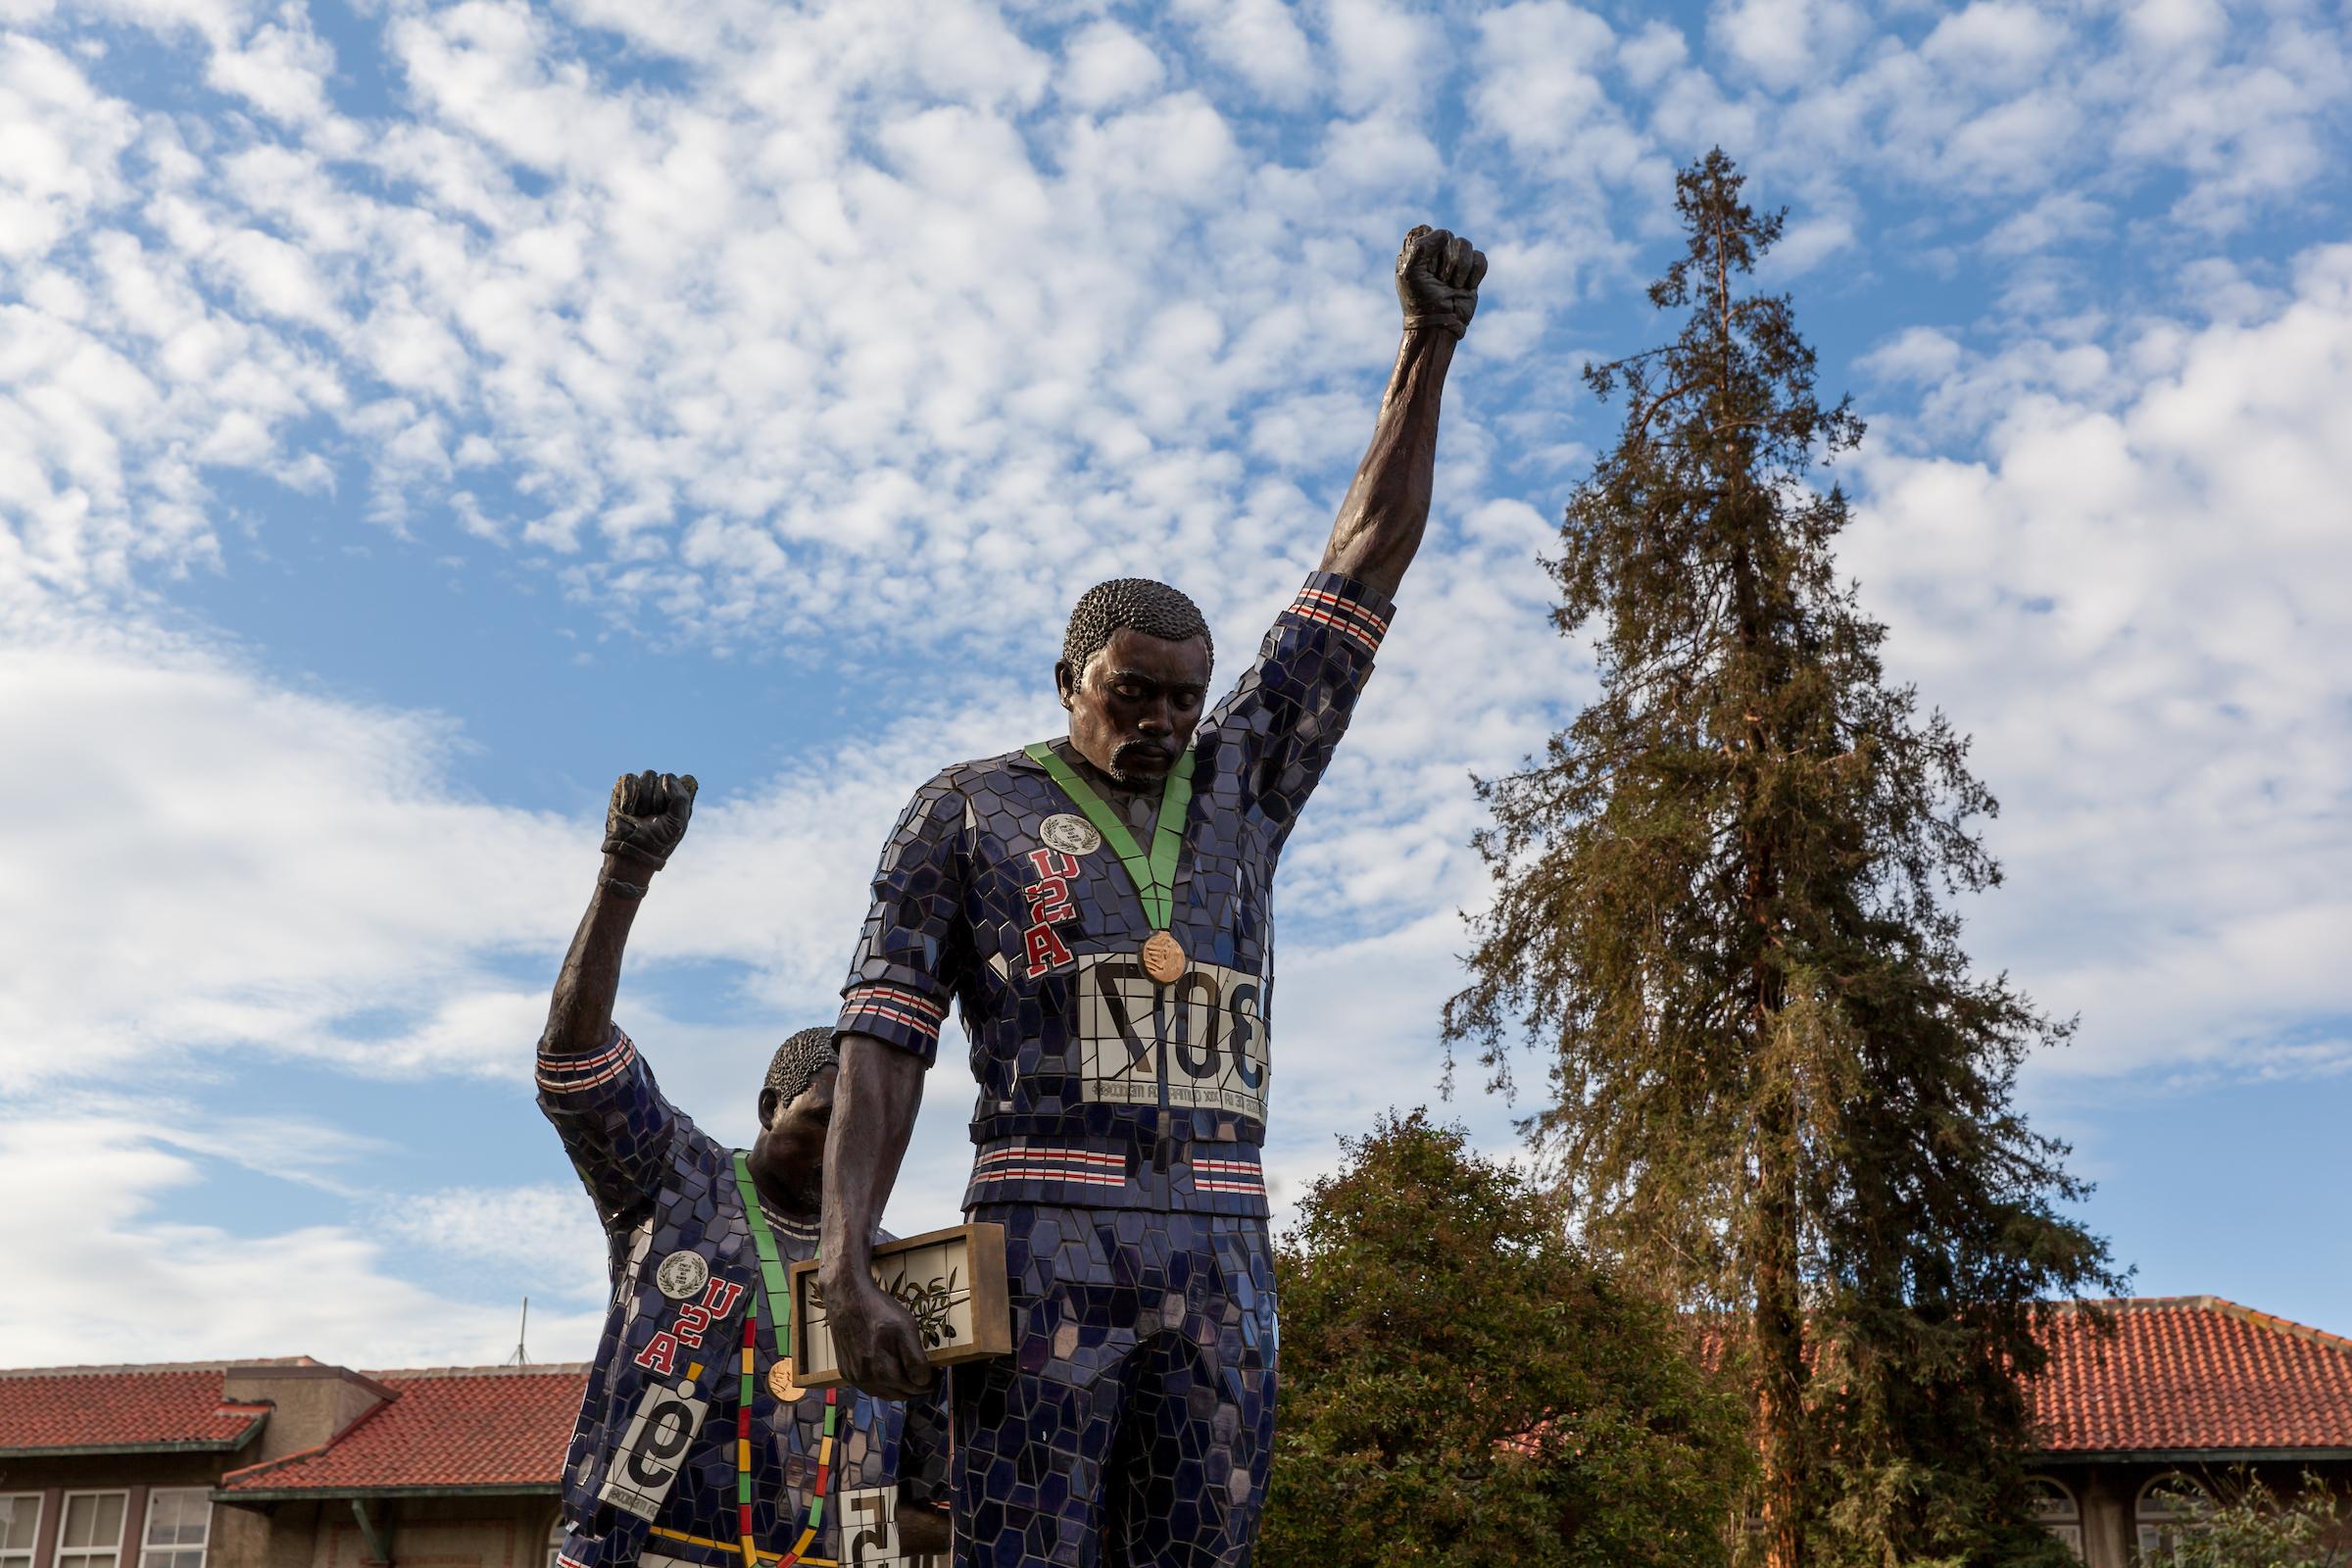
{"x": 796, "y": 1109}
{"x": 1134, "y": 674}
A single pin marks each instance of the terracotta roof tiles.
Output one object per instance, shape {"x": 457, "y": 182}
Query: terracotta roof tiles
{"x": 2195, "y": 1373}
{"x": 122, "y": 1411}
{"x": 2180, "y": 1375}
{"x": 467, "y": 1427}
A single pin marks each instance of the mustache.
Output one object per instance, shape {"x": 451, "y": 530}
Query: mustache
{"x": 1141, "y": 748}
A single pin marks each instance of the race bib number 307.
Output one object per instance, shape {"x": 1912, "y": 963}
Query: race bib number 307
{"x": 1197, "y": 1044}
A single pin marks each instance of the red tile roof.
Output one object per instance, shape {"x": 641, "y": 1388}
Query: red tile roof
{"x": 2180, "y": 1375}
{"x": 461, "y": 1429}
{"x": 122, "y": 1411}
{"x": 2195, "y": 1373}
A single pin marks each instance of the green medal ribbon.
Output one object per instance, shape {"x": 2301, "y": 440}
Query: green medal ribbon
{"x": 771, "y": 1263}
{"x": 1154, "y": 876}
{"x": 776, "y": 1287}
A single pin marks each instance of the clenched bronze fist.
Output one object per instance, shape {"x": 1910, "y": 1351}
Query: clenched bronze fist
{"x": 647, "y": 818}
{"x": 1437, "y": 276}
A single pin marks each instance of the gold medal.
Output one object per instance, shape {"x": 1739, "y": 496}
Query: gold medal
{"x": 779, "y": 1380}
{"x": 1164, "y": 958}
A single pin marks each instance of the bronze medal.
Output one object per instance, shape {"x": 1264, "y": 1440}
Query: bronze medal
{"x": 779, "y": 1380}
{"x": 1164, "y": 958}
{"x": 1155, "y": 876}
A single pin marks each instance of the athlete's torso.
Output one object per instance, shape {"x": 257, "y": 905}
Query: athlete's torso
{"x": 654, "y": 1465}
{"x": 1098, "y": 1085}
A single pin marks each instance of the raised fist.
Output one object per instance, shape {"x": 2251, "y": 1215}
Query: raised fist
{"x": 647, "y": 817}
{"x": 1437, "y": 279}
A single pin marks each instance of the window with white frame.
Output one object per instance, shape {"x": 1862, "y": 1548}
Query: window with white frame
{"x": 2165, "y": 1504}
{"x": 2055, "y": 1509}
{"x": 180, "y": 1521}
{"x": 19, "y": 1521}
{"x": 555, "y": 1539}
{"x": 89, "y": 1529}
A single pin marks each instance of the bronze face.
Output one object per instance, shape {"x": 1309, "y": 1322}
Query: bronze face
{"x": 1134, "y": 708}
{"x": 788, "y": 1156}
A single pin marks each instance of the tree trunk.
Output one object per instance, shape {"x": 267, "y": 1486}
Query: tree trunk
{"x": 1780, "y": 1345}
{"x": 1779, "y": 1323}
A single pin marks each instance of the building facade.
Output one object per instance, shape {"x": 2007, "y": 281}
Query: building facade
{"x": 2188, "y": 1391}
{"x": 282, "y": 1464}
{"x": 297, "y": 1465}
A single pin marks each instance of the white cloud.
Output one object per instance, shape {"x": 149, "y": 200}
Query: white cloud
{"x": 256, "y": 868}
{"x": 1539, "y": 87}
{"x": 548, "y": 1233}
{"x": 2002, "y": 44}
{"x": 2155, "y": 667}
{"x": 1646, "y": 56}
{"x": 1106, "y": 65}
{"x": 1919, "y": 354}
{"x": 839, "y": 299}
{"x": 1258, "y": 41}
{"x": 281, "y": 70}
{"x": 2054, "y": 219}
{"x": 1784, "y": 42}
{"x": 81, "y": 1227}
{"x": 902, "y": 313}
{"x": 1382, "y": 154}
{"x": 59, "y": 145}
{"x": 1388, "y": 58}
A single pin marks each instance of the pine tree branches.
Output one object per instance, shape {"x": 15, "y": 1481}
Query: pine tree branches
{"x": 1723, "y": 918}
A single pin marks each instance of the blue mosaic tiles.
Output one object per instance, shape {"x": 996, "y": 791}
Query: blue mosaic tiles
{"x": 1132, "y": 1421}
{"x": 652, "y": 1472}
{"x": 1098, "y": 1087}
{"x": 1119, "y": 1119}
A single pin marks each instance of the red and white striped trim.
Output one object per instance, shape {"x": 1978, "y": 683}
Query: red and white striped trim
{"x": 1332, "y": 609}
{"x": 1229, "y": 1176}
{"x": 565, "y": 1074}
{"x": 1021, "y": 1162}
{"x": 910, "y": 1009}
{"x": 1024, "y": 1163}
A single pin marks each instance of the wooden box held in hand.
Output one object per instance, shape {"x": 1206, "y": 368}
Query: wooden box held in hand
{"x": 952, "y": 1281}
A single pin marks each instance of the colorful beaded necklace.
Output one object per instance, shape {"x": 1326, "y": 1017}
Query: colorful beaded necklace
{"x": 775, "y": 1288}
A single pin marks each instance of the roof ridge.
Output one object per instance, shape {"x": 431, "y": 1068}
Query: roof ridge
{"x": 2217, "y": 1304}
{"x": 117, "y": 1368}
{"x": 2132, "y": 1304}
{"x": 95, "y": 1371}
{"x": 537, "y": 1369}
{"x": 2282, "y": 1325}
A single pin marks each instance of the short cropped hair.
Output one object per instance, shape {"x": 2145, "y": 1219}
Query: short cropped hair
{"x": 797, "y": 1062}
{"x": 1151, "y": 608}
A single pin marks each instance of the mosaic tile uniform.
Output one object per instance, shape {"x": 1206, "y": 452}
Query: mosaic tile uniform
{"x": 663, "y": 1188}
{"x": 1118, "y": 1124}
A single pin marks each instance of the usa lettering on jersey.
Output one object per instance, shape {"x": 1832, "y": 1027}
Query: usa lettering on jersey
{"x": 1050, "y": 903}
{"x": 686, "y": 1330}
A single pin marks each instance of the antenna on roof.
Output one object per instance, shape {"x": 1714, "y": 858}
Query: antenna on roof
{"x": 519, "y": 1357}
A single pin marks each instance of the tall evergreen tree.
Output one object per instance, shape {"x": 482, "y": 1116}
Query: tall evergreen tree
{"x": 1722, "y": 920}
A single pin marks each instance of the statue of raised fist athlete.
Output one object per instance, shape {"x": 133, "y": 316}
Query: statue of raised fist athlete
{"x": 691, "y": 1451}
{"x": 1098, "y": 908}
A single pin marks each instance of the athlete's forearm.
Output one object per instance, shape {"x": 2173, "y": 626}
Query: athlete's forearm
{"x": 875, "y": 1096}
{"x": 1381, "y": 520}
{"x": 579, "y": 1016}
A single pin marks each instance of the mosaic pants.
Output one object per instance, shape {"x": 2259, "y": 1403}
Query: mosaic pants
{"x": 1131, "y": 1425}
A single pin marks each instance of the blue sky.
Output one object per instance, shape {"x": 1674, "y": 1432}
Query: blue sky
{"x": 412, "y": 415}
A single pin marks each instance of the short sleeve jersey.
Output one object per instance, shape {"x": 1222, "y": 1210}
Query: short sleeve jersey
{"x": 1100, "y": 1087}
{"x": 652, "y": 1474}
